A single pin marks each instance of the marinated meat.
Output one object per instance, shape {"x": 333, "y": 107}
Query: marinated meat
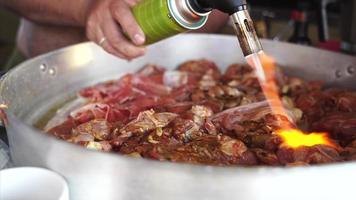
{"x": 195, "y": 114}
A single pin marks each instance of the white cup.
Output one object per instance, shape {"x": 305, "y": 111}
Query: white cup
{"x": 30, "y": 183}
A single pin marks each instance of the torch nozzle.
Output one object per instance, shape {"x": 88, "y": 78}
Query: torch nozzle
{"x": 237, "y": 9}
{"x": 246, "y": 32}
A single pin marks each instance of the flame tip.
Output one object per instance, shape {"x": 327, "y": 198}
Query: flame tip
{"x": 295, "y": 138}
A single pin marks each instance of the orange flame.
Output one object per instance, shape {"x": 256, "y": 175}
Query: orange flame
{"x": 295, "y": 138}
{"x": 265, "y": 68}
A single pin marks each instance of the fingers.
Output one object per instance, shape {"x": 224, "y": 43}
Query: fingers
{"x": 95, "y": 34}
{"x": 101, "y": 24}
{"x": 110, "y": 49}
{"x": 119, "y": 42}
{"x": 121, "y": 12}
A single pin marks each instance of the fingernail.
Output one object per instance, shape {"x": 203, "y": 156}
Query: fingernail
{"x": 139, "y": 39}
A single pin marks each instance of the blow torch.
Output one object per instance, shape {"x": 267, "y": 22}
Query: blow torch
{"x": 237, "y": 9}
{"x": 160, "y": 19}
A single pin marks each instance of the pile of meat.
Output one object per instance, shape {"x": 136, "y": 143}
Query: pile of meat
{"x": 198, "y": 115}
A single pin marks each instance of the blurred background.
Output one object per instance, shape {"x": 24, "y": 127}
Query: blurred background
{"x": 327, "y": 24}
{"x": 9, "y": 23}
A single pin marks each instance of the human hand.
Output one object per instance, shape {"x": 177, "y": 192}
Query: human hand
{"x": 108, "y": 21}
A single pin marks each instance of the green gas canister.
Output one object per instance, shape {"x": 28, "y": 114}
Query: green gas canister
{"x": 160, "y": 19}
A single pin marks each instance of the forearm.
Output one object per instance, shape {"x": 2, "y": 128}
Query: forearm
{"x": 56, "y": 12}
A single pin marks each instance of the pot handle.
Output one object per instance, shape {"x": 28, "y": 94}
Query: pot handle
{"x": 3, "y": 136}
{"x": 3, "y": 118}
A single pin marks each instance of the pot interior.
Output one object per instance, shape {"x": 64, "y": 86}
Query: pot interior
{"x": 36, "y": 88}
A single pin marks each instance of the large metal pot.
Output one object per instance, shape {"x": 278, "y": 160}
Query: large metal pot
{"x": 32, "y": 88}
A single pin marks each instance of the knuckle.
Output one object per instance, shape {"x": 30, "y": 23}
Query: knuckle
{"x": 116, "y": 13}
{"x": 127, "y": 50}
{"x": 115, "y": 40}
{"x": 117, "y": 9}
{"x": 117, "y": 43}
{"x": 120, "y": 11}
{"x": 90, "y": 23}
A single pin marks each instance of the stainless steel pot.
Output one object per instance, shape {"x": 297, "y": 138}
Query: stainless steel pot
{"x": 37, "y": 85}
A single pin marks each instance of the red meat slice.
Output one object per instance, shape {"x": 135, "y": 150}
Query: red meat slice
{"x": 64, "y": 130}
{"x": 149, "y": 87}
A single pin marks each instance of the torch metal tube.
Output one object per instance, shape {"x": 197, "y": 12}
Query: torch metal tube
{"x": 246, "y": 32}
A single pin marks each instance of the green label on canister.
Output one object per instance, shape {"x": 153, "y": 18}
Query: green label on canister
{"x": 156, "y": 20}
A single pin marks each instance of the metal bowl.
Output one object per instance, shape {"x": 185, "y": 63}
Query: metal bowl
{"x": 40, "y": 84}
